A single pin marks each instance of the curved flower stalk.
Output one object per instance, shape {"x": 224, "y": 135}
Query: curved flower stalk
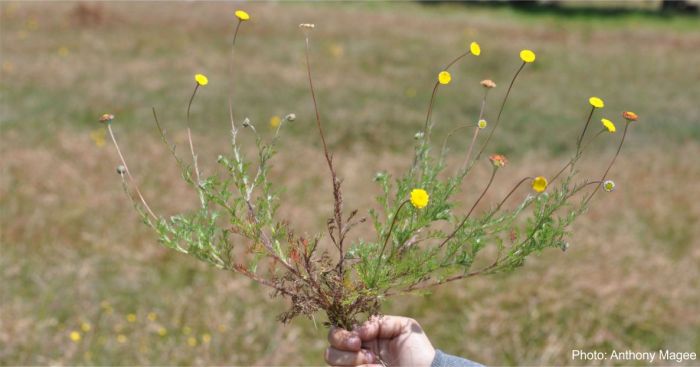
{"x": 423, "y": 236}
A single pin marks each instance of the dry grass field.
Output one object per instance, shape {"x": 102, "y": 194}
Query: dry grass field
{"x": 75, "y": 256}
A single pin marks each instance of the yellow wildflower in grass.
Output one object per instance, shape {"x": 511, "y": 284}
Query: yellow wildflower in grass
{"x": 475, "y": 49}
{"x": 539, "y": 184}
{"x": 242, "y": 15}
{"x": 162, "y": 331}
{"x": 630, "y": 116}
{"x": 201, "y": 79}
{"x": 444, "y": 77}
{"x": 206, "y": 338}
{"x": 608, "y": 125}
{"x": 186, "y": 330}
{"x": 482, "y": 124}
{"x": 419, "y": 198}
{"x": 527, "y": 56}
{"x": 498, "y": 160}
{"x": 275, "y": 121}
{"x": 336, "y": 50}
{"x": 596, "y": 102}
{"x": 99, "y": 137}
{"x": 192, "y": 341}
{"x": 411, "y": 92}
{"x": 151, "y": 316}
{"x": 85, "y": 326}
{"x": 63, "y": 51}
{"x": 609, "y": 185}
{"x": 75, "y": 336}
{"x": 131, "y": 317}
{"x": 121, "y": 338}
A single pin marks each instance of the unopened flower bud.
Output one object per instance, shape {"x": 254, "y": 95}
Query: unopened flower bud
{"x": 482, "y": 124}
{"x": 290, "y": 117}
{"x": 246, "y": 122}
{"x": 106, "y": 118}
{"x": 121, "y": 169}
{"x": 609, "y": 185}
{"x": 307, "y": 26}
{"x": 418, "y": 135}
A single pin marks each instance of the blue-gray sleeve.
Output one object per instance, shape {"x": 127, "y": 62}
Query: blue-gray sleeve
{"x": 445, "y": 360}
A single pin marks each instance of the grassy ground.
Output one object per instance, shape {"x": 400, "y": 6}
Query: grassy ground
{"x": 76, "y": 258}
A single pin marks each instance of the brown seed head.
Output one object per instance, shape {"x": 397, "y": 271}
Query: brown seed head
{"x": 498, "y": 160}
{"x": 488, "y": 83}
{"x": 630, "y": 116}
{"x": 107, "y": 117}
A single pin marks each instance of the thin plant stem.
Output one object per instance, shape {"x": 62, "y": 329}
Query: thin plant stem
{"x": 388, "y": 235}
{"x": 500, "y": 111}
{"x": 583, "y": 133}
{"x": 476, "y": 131}
{"x": 575, "y": 158}
{"x": 449, "y": 135}
{"x": 605, "y": 175}
{"x": 464, "y": 221}
{"x": 337, "y": 195}
{"x": 427, "y": 127}
{"x": 498, "y": 207}
{"x": 131, "y": 178}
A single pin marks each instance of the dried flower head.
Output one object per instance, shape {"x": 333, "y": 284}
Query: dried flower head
{"x": 630, "y": 116}
{"x": 482, "y": 124}
{"x": 608, "y": 125}
{"x": 596, "y": 102}
{"x": 121, "y": 170}
{"x": 419, "y": 198}
{"x": 106, "y": 118}
{"x": 609, "y": 185}
{"x": 475, "y": 49}
{"x": 290, "y": 117}
{"x": 539, "y": 184}
{"x": 201, "y": 79}
{"x": 307, "y": 26}
{"x": 242, "y": 15}
{"x": 488, "y": 83}
{"x": 527, "y": 56}
{"x": 498, "y": 160}
{"x": 444, "y": 77}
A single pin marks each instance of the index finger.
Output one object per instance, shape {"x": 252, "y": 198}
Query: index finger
{"x": 344, "y": 340}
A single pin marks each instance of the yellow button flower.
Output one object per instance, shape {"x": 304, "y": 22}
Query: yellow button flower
{"x": 121, "y": 338}
{"x": 482, "y": 124}
{"x": 85, "y": 326}
{"x": 444, "y": 77}
{"x": 419, "y": 198}
{"x": 192, "y": 341}
{"x": 162, "y": 331}
{"x": 75, "y": 336}
{"x": 206, "y": 338}
{"x": 608, "y": 125}
{"x": 630, "y": 116}
{"x": 609, "y": 185}
{"x": 475, "y": 49}
{"x": 539, "y": 184}
{"x": 201, "y": 79}
{"x": 275, "y": 121}
{"x": 242, "y": 15}
{"x": 131, "y": 317}
{"x": 527, "y": 55}
{"x": 596, "y": 102}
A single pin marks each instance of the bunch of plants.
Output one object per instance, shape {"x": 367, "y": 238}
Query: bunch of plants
{"x": 424, "y": 236}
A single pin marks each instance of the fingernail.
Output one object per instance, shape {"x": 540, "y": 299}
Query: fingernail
{"x": 370, "y": 356}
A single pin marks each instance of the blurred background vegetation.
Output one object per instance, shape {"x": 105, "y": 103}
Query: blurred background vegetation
{"x": 84, "y": 282}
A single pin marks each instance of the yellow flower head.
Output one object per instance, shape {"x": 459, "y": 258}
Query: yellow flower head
{"x": 275, "y": 121}
{"x": 609, "y": 185}
{"x": 630, "y": 116}
{"x": 498, "y": 160}
{"x": 85, "y": 326}
{"x": 192, "y": 341}
{"x": 201, "y": 79}
{"x": 482, "y": 124}
{"x": 152, "y": 316}
{"x": 608, "y": 125}
{"x": 444, "y": 77}
{"x": 121, "y": 338}
{"x": 131, "y": 317}
{"x": 75, "y": 336}
{"x": 475, "y": 49}
{"x": 419, "y": 198}
{"x": 596, "y": 102}
{"x": 242, "y": 15}
{"x": 527, "y": 56}
{"x": 106, "y": 118}
{"x": 488, "y": 83}
{"x": 539, "y": 184}
{"x": 162, "y": 331}
{"x": 206, "y": 338}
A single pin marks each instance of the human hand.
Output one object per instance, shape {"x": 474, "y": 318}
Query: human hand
{"x": 391, "y": 340}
